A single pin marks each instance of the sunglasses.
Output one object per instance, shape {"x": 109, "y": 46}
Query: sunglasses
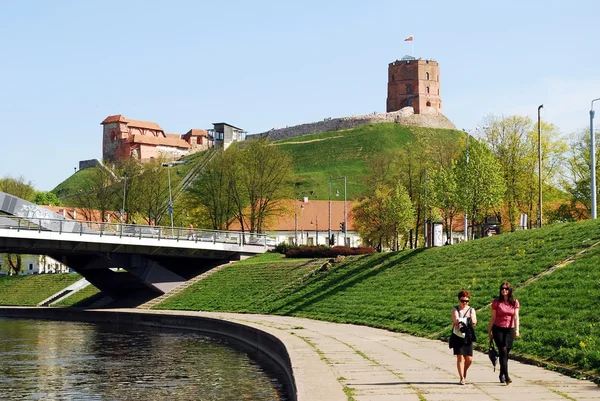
{"x": 504, "y": 288}
{"x": 466, "y": 301}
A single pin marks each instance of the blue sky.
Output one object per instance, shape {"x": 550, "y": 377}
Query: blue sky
{"x": 66, "y": 65}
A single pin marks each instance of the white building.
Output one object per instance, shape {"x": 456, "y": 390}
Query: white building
{"x": 34, "y": 264}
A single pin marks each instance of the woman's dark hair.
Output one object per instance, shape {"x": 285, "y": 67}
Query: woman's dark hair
{"x": 511, "y": 299}
{"x": 464, "y": 293}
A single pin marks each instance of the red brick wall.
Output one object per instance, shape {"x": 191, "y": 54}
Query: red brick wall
{"x": 404, "y": 74}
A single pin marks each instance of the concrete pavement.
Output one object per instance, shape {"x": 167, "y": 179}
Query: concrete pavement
{"x": 334, "y": 362}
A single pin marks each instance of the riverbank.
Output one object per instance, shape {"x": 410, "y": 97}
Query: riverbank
{"x": 342, "y": 362}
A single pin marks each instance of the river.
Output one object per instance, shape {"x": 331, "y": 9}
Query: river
{"x": 52, "y": 360}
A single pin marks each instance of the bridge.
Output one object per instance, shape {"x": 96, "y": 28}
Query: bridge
{"x": 130, "y": 263}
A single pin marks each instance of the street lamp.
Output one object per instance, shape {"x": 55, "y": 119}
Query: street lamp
{"x": 337, "y": 193}
{"x": 593, "y": 159}
{"x": 124, "y": 193}
{"x": 329, "y": 229}
{"x": 540, "y": 165}
{"x": 168, "y": 166}
{"x": 466, "y": 223}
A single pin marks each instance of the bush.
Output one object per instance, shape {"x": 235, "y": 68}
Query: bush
{"x": 284, "y": 247}
{"x": 325, "y": 252}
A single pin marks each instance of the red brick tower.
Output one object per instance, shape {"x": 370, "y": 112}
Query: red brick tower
{"x": 414, "y": 82}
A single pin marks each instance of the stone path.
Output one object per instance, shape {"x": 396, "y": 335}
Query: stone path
{"x": 338, "y": 361}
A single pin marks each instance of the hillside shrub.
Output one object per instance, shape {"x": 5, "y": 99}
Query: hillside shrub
{"x": 325, "y": 251}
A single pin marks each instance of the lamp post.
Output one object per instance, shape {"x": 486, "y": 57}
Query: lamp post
{"x": 168, "y": 166}
{"x": 466, "y": 223}
{"x": 124, "y": 193}
{"x": 345, "y": 214}
{"x": 593, "y": 160}
{"x": 540, "y": 165}
{"x": 329, "y": 229}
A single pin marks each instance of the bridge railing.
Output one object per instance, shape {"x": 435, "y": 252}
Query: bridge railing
{"x": 135, "y": 230}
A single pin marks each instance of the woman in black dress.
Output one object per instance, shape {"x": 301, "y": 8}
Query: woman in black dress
{"x": 464, "y": 319}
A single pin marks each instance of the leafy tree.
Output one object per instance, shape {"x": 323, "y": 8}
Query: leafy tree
{"x": 17, "y": 187}
{"x": 385, "y": 215}
{"x": 212, "y": 191}
{"x": 263, "y": 175}
{"x": 99, "y": 193}
{"x": 444, "y": 194}
{"x": 577, "y": 181}
{"x": 481, "y": 186}
{"x": 46, "y": 198}
{"x": 514, "y": 141}
{"x": 13, "y": 262}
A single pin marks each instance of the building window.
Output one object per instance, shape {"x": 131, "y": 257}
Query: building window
{"x": 427, "y": 76}
{"x": 393, "y": 78}
{"x": 31, "y": 266}
{"x": 408, "y": 89}
{"x": 428, "y": 104}
{"x": 409, "y": 102}
{"x": 427, "y": 89}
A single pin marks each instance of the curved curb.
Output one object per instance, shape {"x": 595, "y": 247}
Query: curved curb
{"x": 257, "y": 340}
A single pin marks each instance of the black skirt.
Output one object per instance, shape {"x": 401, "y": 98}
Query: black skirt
{"x": 461, "y": 347}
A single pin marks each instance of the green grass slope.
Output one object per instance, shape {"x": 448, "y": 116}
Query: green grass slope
{"x": 413, "y": 291}
{"x": 318, "y": 157}
{"x": 33, "y": 289}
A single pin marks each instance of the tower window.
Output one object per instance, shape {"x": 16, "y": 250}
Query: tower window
{"x": 428, "y": 104}
{"x": 408, "y": 89}
{"x": 427, "y": 76}
{"x": 409, "y": 102}
{"x": 393, "y": 78}
{"x": 427, "y": 89}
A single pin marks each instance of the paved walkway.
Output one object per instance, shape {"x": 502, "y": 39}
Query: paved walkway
{"x": 338, "y": 361}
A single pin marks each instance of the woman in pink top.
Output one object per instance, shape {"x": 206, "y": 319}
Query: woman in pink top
{"x": 504, "y": 326}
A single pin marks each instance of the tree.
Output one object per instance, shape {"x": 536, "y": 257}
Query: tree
{"x": 577, "y": 180}
{"x": 384, "y": 216}
{"x": 17, "y": 187}
{"x": 263, "y": 175}
{"x": 98, "y": 193}
{"x": 481, "y": 186}
{"x": 13, "y": 262}
{"x": 444, "y": 194}
{"x": 212, "y": 190}
{"x": 46, "y": 198}
{"x": 514, "y": 141}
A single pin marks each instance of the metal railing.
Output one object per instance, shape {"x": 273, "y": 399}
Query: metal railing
{"x": 134, "y": 230}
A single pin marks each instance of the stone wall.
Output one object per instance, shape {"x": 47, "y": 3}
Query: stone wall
{"x": 430, "y": 118}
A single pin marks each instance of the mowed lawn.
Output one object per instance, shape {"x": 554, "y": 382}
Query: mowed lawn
{"x": 413, "y": 291}
{"x": 33, "y": 289}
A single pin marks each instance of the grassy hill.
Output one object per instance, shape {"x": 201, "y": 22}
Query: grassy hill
{"x": 413, "y": 291}
{"x": 33, "y": 289}
{"x": 318, "y": 157}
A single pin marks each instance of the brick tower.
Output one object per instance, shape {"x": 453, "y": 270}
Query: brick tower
{"x": 414, "y": 82}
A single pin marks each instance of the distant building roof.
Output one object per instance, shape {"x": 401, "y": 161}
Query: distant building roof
{"x": 132, "y": 123}
{"x": 229, "y": 125}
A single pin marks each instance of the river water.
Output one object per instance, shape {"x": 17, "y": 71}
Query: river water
{"x": 50, "y": 360}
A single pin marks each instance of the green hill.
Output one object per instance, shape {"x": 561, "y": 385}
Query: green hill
{"x": 318, "y": 157}
{"x": 413, "y": 291}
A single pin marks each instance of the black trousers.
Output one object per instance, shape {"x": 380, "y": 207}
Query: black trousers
{"x": 503, "y": 337}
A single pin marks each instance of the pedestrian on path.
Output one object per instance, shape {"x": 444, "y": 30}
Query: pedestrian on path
{"x": 463, "y": 335}
{"x": 504, "y": 326}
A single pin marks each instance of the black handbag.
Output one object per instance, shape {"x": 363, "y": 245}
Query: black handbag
{"x": 493, "y": 354}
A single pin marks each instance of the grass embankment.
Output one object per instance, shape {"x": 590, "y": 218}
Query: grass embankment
{"x": 413, "y": 291}
{"x": 82, "y": 297}
{"x": 318, "y": 157}
{"x": 33, "y": 289}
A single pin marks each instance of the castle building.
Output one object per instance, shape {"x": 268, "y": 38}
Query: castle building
{"x": 414, "y": 83}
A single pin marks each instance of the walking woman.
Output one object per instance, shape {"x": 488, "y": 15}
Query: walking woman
{"x": 464, "y": 319}
{"x": 504, "y": 326}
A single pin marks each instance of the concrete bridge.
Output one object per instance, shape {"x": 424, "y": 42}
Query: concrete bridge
{"x": 130, "y": 263}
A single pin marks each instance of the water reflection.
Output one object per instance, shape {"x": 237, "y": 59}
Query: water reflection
{"x": 79, "y": 361}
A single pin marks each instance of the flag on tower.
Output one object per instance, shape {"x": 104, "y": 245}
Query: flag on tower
{"x": 409, "y": 39}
